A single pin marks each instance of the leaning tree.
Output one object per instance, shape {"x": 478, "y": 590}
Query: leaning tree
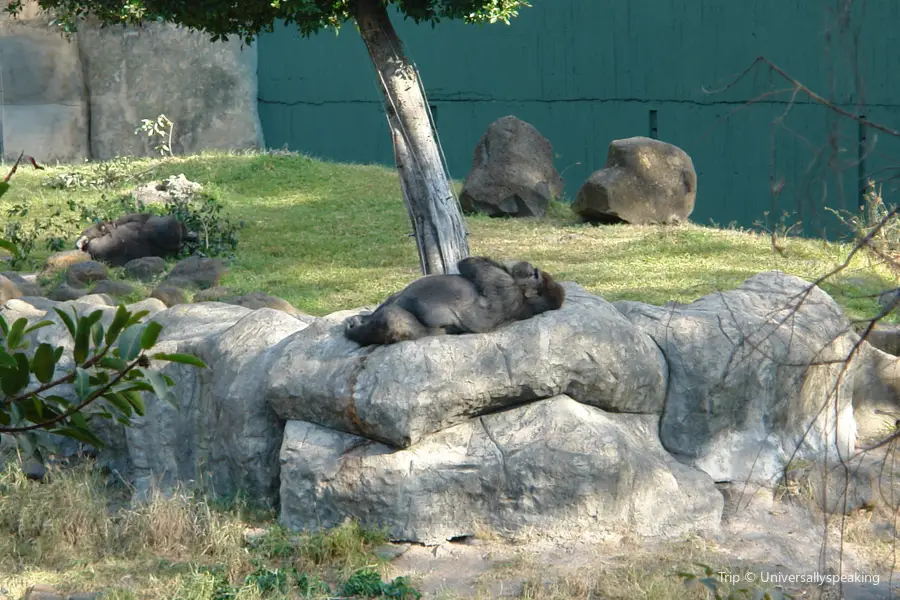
{"x": 436, "y": 219}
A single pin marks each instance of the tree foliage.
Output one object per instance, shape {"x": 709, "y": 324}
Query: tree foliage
{"x": 248, "y": 18}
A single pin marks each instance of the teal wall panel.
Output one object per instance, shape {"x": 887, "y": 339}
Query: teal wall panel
{"x": 585, "y": 72}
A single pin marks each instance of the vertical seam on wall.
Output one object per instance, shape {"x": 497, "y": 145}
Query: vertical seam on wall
{"x": 86, "y": 94}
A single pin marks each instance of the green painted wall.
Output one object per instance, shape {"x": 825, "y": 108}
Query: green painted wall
{"x": 585, "y": 72}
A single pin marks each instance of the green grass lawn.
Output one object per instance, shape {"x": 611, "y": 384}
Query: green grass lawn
{"x": 328, "y": 236}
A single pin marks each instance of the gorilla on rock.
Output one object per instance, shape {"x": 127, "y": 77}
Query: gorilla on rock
{"x": 483, "y": 296}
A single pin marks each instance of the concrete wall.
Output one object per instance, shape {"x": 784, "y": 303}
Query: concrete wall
{"x": 83, "y": 97}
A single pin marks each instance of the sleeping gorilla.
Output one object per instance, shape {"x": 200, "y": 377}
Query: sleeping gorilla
{"x": 133, "y": 236}
{"x": 485, "y": 295}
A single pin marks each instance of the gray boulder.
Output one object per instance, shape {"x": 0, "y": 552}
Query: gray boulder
{"x": 512, "y": 172}
{"x": 644, "y": 181}
{"x": 257, "y": 300}
{"x": 146, "y": 268}
{"x": 82, "y": 274}
{"x": 400, "y": 393}
{"x": 566, "y": 469}
{"x": 223, "y": 430}
{"x": 176, "y": 188}
{"x": 25, "y": 283}
{"x": 876, "y": 394}
{"x": 750, "y": 371}
{"x": 197, "y": 272}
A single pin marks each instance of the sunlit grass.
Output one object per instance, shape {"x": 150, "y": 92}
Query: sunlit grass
{"x": 328, "y": 236}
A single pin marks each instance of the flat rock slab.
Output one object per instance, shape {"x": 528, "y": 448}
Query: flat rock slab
{"x": 557, "y": 465}
{"x": 399, "y": 393}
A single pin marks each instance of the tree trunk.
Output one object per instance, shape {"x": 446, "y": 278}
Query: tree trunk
{"x": 436, "y": 219}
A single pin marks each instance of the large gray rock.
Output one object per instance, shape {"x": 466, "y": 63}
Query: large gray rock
{"x": 644, "y": 181}
{"x": 754, "y": 373}
{"x": 559, "y": 466}
{"x": 876, "y": 394}
{"x": 398, "y": 394}
{"x": 209, "y": 90}
{"x": 512, "y": 172}
{"x": 223, "y": 430}
{"x": 44, "y": 109}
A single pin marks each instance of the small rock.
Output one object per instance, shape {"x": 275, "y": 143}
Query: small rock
{"x": 27, "y": 284}
{"x": 34, "y": 469}
{"x": 389, "y": 552}
{"x": 253, "y": 534}
{"x": 112, "y": 288}
{"x": 42, "y": 592}
{"x": 886, "y": 338}
{"x": 176, "y": 187}
{"x": 61, "y": 261}
{"x": 169, "y": 294}
{"x": 29, "y": 306}
{"x": 202, "y": 272}
{"x": 98, "y": 300}
{"x": 213, "y": 294}
{"x": 257, "y": 300}
{"x": 64, "y": 292}
{"x": 151, "y": 305}
{"x": 445, "y": 551}
{"x": 8, "y": 290}
{"x": 145, "y": 269}
{"x": 84, "y": 273}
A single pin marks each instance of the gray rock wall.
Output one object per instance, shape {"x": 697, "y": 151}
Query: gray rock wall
{"x": 83, "y": 97}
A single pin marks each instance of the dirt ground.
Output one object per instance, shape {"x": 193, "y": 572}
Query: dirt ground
{"x": 759, "y": 537}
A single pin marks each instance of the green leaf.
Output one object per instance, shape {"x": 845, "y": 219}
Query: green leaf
{"x": 79, "y": 420}
{"x": 37, "y": 326}
{"x": 97, "y": 334}
{"x": 134, "y": 398}
{"x": 6, "y": 360}
{"x": 82, "y": 383}
{"x": 129, "y": 345}
{"x": 44, "y": 362}
{"x": 17, "y": 378}
{"x": 111, "y": 362}
{"x": 133, "y": 320}
{"x": 4, "y": 418}
{"x": 67, "y": 321}
{"x": 115, "y": 328}
{"x": 59, "y": 400}
{"x": 185, "y": 359}
{"x": 6, "y": 244}
{"x": 150, "y": 335}
{"x": 159, "y": 386}
{"x": 120, "y": 402}
{"x": 141, "y": 386}
{"x": 80, "y": 434}
{"x": 14, "y": 337}
{"x": 82, "y": 340}
{"x": 4, "y": 326}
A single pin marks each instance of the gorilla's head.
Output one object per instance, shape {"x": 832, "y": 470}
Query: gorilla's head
{"x": 91, "y": 233}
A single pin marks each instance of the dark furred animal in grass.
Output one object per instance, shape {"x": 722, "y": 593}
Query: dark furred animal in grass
{"x": 485, "y": 295}
{"x": 133, "y": 236}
